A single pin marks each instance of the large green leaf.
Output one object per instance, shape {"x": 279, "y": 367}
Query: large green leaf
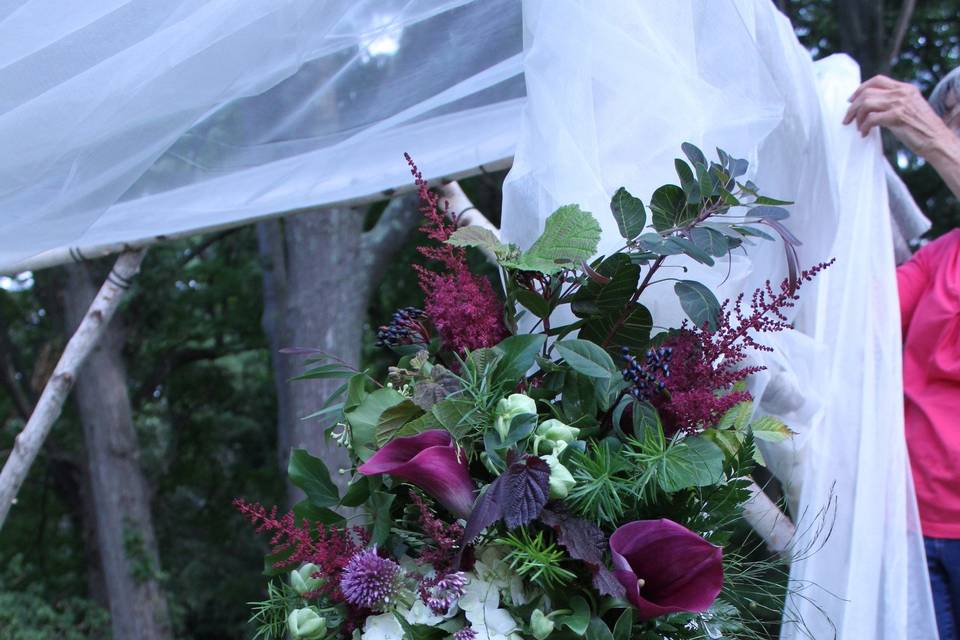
{"x": 587, "y": 358}
{"x": 623, "y": 629}
{"x": 379, "y": 506}
{"x": 311, "y": 475}
{"x": 688, "y": 183}
{"x": 517, "y": 356}
{"x": 365, "y": 417}
{"x": 479, "y": 237}
{"x": 393, "y": 419}
{"x": 693, "y": 462}
{"x": 306, "y": 510}
{"x": 598, "y": 630}
{"x": 629, "y": 213}
{"x": 770, "y": 429}
{"x": 596, "y": 298}
{"x": 630, "y": 328}
{"x": 450, "y": 413}
{"x": 670, "y": 208}
{"x": 579, "y": 618}
{"x": 570, "y": 236}
{"x": 711, "y": 241}
{"x": 698, "y": 303}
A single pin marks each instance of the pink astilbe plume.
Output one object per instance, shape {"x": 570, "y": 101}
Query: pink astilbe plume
{"x": 690, "y": 379}
{"x": 446, "y": 537}
{"x": 330, "y": 548}
{"x": 462, "y": 306}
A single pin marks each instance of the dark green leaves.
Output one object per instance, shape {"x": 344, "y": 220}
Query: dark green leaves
{"x": 311, "y": 475}
{"x": 570, "y": 236}
{"x": 693, "y": 462}
{"x": 587, "y": 358}
{"x": 629, "y": 213}
{"x": 698, "y": 303}
{"x": 517, "y": 356}
{"x": 669, "y": 207}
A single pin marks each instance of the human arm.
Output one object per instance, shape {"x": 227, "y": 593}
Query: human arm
{"x": 899, "y": 106}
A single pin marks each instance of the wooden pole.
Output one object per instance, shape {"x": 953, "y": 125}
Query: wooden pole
{"x": 30, "y": 440}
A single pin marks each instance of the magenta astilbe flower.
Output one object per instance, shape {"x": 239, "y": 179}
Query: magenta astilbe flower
{"x": 464, "y": 309}
{"x": 371, "y": 581}
{"x": 462, "y": 306}
{"x": 666, "y": 568}
{"x": 690, "y": 378}
{"x": 442, "y": 592}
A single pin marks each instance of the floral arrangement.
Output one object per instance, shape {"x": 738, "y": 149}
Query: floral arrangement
{"x": 518, "y": 482}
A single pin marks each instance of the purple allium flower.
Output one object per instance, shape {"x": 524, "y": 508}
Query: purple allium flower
{"x": 370, "y": 581}
{"x": 443, "y": 592}
{"x": 467, "y": 633}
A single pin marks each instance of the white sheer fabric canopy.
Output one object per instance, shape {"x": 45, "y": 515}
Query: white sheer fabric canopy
{"x": 611, "y": 96}
{"x": 123, "y": 120}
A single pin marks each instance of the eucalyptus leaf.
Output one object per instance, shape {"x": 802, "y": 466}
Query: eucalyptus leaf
{"x": 710, "y": 241}
{"x": 587, "y": 358}
{"x": 699, "y": 303}
{"x": 693, "y": 153}
{"x": 630, "y": 328}
{"x": 629, "y": 213}
{"x": 611, "y": 297}
{"x": 688, "y": 182}
{"x": 669, "y": 207}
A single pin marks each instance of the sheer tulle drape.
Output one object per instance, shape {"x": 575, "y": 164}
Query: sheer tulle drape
{"x": 611, "y": 96}
{"x": 123, "y": 120}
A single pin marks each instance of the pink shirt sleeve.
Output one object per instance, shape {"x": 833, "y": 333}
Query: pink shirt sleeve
{"x": 913, "y": 277}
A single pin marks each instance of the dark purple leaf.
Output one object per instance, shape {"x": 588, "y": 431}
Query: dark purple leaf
{"x": 523, "y": 490}
{"x": 584, "y": 541}
{"x": 486, "y": 510}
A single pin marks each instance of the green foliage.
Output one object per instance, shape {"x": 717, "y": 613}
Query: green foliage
{"x": 270, "y": 615}
{"x": 570, "y": 236}
{"x": 28, "y": 616}
{"x": 603, "y": 486}
{"x": 535, "y": 558}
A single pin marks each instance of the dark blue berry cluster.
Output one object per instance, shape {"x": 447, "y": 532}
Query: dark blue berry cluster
{"x": 647, "y": 375}
{"x": 406, "y": 327}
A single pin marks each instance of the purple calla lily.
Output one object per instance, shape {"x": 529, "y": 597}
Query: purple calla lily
{"x": 666, "y": 568}
{"x": 430, "y": 461}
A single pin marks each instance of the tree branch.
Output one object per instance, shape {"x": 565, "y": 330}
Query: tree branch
{"x": 899, "y": 33}
{"x": 203, "y": 246}
{"x": 29, "y": 441}
{"x": 392, "y": 230}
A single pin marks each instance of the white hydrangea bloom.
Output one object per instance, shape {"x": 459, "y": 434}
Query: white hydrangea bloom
{"x": 382, "y": 627}
{"x": 481, "y": 606}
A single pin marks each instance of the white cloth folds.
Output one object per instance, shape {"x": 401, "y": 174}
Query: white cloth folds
{"x": 613, "y": 89}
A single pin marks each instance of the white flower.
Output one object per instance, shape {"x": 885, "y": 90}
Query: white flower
{"x": 481, "y": 605}
{"x": 382, "y": 627}
{"x": 420, "y": 613}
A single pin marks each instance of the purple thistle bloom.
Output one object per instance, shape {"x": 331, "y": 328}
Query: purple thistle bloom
{"x": 370, "y": 581}
{"x": 467, "y": 633}
{"x": 442, "y": 593}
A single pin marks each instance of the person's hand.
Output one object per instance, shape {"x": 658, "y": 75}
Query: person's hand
{"x": 900, "y": 107}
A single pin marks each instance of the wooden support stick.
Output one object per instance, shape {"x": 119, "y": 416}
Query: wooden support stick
{"x": 771, "y": 524}
{"x": 30, "y": 440}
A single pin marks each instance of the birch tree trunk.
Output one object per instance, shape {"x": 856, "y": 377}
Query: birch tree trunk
{"x": 123, "y": 521}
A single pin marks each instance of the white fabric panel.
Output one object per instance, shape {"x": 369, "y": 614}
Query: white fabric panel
{"x": 613, "y": 89}
{"x": 123, "y": 120}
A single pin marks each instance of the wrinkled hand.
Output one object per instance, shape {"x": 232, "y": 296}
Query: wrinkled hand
{"x": 900, "y": 107}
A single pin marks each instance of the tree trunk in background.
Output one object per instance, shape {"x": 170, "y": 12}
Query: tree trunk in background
{"x": 860, "y": 23}
{"x": 121, "y": 501}
{"x": 319, "y": 269}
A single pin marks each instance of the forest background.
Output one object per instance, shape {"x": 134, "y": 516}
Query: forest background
{"x": 127, "y": 514}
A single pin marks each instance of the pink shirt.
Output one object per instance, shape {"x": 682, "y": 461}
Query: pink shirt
{"x": 930, "y": 315}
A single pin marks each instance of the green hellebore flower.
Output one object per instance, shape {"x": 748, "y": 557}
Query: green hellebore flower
{"x": 561, "y": 480}
{"x": 555, "y": 433}
{"x": 302, "y": 579}
{"x": 509, "y": 408}
{"x": 540, "y": 625}
{"x": 306, "y": 624}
